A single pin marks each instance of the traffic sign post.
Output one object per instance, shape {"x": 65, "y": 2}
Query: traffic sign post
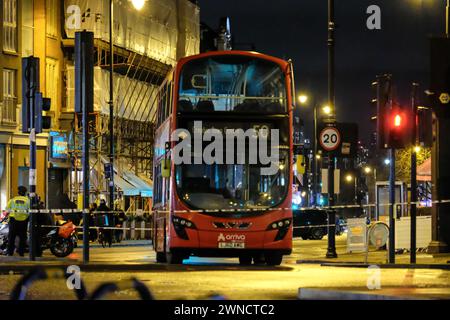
{"x": 330, "y": 140}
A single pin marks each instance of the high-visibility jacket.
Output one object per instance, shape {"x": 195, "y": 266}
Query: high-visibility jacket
{"x": 18, "y": 208}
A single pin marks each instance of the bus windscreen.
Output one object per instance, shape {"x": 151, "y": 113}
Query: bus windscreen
{"x": 233, "y": 84}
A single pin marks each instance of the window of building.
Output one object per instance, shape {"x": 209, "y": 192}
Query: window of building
{"x": 10, "y": 25}
{"x": 9, "y": 96}
{"x": 27, "y": 28}
{"x": 51, "y": 17}
{"x": 51, "y": 81}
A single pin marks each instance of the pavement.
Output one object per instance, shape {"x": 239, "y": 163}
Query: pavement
{"x": 305, "y": 274}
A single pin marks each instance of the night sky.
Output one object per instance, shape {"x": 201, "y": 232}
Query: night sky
{"x": 297, "y": 30}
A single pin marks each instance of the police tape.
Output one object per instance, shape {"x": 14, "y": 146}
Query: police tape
{"x": 99, "y": 228}
{"x": 151, "y": 229}
{"x": 240, "y": 210}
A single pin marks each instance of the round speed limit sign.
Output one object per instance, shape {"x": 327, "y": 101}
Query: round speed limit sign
{"x": 330, "y": 138}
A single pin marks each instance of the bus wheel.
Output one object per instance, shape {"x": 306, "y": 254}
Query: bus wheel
{"x": 245, "y": 260}
{"x": 273, "y": 258}
{"x": 174, "y": 258}
{"x": 161, "y": 257}
{"x": 259, "y": 259}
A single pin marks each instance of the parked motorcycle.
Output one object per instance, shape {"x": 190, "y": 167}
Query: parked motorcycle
{"x": 60, "y": 240}
{"x": 4, "y": 230}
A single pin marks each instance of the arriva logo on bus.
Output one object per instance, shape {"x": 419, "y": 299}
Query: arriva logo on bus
{"x": 235, "y": 152}
{"x": 231, "y": 237}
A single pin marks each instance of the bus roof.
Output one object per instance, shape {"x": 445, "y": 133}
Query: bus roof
{"x": 284, "y": 64}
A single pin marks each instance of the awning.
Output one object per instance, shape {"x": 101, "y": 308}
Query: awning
{"x": 129, "y": 183}
{"x": 424, "y": 171}
{"x": 145, "y": 190}
{"x": 127, "y": 189}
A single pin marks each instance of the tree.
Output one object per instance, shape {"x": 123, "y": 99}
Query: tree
{"x": 403, "y": 162}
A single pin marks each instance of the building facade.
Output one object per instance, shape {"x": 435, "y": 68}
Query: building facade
{"x": 29, "y": 27}
{"x": 147, "y": 43}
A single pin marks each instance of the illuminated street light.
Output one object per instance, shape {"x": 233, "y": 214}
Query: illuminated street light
{"x": 367, "y": 169}
{"x": 349, "y": 178}
{"x": 318, "y": 156}
{"x": 387, "y": 162}
{"x": 326, "y": 109}
{"x": 138, "y": 4}
{"x": 303, "y": 98}
{"x": 417, "y": 149}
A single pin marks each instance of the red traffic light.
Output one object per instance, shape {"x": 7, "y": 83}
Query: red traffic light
{"x": 399, "y": 128}
{"x": 397, "y": 120}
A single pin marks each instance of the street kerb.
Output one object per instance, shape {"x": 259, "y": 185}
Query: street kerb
{"x": 386, "y": 265}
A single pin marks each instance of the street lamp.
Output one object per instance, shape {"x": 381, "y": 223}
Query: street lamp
{"x": 138, "y": 4}
{"x": 303, "y": 98}
{"x": 326, "y": 110}
{"x": 367, "y": 170}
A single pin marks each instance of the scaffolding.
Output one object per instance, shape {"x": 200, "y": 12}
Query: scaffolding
{"x": 137, "y": 79}
{"x": 146, "y": 46}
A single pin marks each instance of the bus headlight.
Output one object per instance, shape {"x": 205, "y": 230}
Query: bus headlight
{"x": 282, "y": 226}
{"x": 180, "y": 225}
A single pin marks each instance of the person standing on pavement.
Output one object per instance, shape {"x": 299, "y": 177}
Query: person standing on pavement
{"x": 93, "y": 234}
{"x": 120, "y": 218}
{"x": 18, "y": 208}
{"x": 104, "y": 210}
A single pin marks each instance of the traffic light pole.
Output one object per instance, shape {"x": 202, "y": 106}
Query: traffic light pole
{"x": 413, "y": 207}
{"x": 331, "y": 251}
{"x": 391, "y": 206}
{"x": 32, "y": 75}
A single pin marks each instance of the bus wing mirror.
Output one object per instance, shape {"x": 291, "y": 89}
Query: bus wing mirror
{"x": 165, "y": 168}
{"x": 199, "y": 81}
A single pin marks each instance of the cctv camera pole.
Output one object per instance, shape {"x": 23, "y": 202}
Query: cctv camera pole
{"x": 331, "y": 251}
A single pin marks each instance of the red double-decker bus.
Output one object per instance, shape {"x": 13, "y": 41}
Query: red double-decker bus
{"x": 223, "y": 208}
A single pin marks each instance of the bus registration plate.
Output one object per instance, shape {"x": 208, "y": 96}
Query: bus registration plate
{"x": 231, "y": 245}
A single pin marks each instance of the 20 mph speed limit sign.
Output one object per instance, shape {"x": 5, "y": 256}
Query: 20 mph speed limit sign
{"x": 330, "y": 138}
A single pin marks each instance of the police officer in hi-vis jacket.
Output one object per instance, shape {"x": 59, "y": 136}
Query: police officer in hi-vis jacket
{"x": 18, "y": 208}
